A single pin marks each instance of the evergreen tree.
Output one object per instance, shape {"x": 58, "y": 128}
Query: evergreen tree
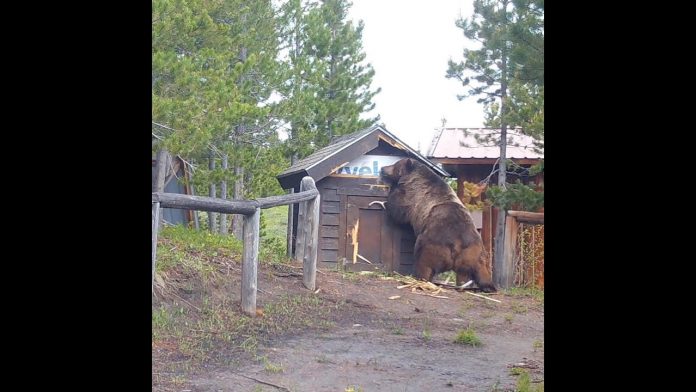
{"x": 343, "y": 89}
{"x": 486, "y": 71}
{"x": 214, "y": 69}
{"x": 328, "y": 85}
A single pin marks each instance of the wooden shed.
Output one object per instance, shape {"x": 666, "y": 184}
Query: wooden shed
{"x": 177, "y": 180}
{"x": 353, "y": 234}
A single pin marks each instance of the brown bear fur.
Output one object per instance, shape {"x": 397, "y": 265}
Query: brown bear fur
{"x": 446, "y": 237}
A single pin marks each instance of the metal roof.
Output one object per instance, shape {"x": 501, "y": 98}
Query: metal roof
{"x": 472, "y": 143}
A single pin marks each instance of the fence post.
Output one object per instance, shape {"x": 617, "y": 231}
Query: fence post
{"x": 507, "y": 274}
{"x": 302, "y": 229}
{"x": 290, "y": 233}
{"x": 311, "y": 237}
{"x": 249, "y": 261}
{"x": 161, "y": 172}
{"x": 155, "y": 227}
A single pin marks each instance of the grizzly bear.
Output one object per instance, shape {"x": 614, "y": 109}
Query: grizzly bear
{"x": 446, "y": 237}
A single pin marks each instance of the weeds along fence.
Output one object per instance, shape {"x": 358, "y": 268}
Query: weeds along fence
{"x": 524, "y": 250}
{"x": 529, "y": 264}
{"x": 307, "y": 237}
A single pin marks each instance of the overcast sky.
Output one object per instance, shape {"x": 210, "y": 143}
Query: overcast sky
{"x": 408, "y": 43}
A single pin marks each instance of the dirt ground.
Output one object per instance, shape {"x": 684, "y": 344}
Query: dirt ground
{"x": 357, "y": 339}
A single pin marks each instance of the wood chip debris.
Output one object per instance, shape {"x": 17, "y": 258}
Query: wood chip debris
{"x": 421, "y": 287}
{"x": 395, "y": 297}
{"x": 431, "y": 289}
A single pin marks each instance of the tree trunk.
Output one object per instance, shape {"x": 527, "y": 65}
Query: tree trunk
{"x": 163, "y": 162}
{"x": 291, "y": 207}
{"x": 499, "y": 254}
{"x": 237, "y": 222}
{"x": 196, "y": 223}
{"x": 223, "y": 195}
{"x": 238, "y": 195}
{"x": 211, "y": 193}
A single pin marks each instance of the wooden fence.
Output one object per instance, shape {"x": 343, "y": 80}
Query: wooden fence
{"x": 307, "y": 239}
{"x": 505, "y": 277}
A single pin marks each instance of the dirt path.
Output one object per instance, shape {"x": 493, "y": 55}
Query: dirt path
{"x": 405, "y": 344}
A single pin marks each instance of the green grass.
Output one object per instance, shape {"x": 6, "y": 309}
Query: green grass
{"x": 524, "y": 382}
{"x": 198, "y": 334}
{"x": 273, "y": 247}
{"x": 467, "y": 336}
{"x": 519, "y": 308}
{"x": 271, "y": 367}
{"x": 276, "y": 222}
{"x": 427, "y": 334}
{"x": 530, "y": 292}
{"x": 181, "y": 246}
{"x": 191, "y": 249}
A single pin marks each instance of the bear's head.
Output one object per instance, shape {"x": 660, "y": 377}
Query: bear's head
{"x": 392, "y": 173}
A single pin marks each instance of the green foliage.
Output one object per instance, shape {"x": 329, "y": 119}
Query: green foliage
{"x": 472, "y": 194}
{"x": 273, "y": 250}
{"x": 506, "y": 70}
{"x": 227, "y": 76}
{"x": 213, "y": 71}
{"x": 468, "y": 337}
{"x": 328, "y": 84}
{"x": 516, "y": 196}
{"x": 536, "y": 169}
{"x": 275, "y": 222}
{"x": 273, "y": 247}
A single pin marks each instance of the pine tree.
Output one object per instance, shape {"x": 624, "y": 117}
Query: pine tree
{"x": 490, "y": 69}
{"x": 214, "y": 69}
{"x": 328, "y": 84}
{"x": 343, "y": 88}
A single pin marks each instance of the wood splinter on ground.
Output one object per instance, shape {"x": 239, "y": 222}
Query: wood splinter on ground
{"x": 483, "y": 296}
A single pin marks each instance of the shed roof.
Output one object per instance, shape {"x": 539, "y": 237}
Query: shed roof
{"x": 463, "y": 143}
{"x": 342, "y": 150}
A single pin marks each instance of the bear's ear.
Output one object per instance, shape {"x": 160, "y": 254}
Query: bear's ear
{"x": 409, "y": 164}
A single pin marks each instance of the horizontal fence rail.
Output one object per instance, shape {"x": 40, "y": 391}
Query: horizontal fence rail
{"x": 243, "y": 207}
{"x": 308, "y": 225}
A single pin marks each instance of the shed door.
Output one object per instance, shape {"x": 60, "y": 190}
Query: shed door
{"x": 369, "y": 237}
